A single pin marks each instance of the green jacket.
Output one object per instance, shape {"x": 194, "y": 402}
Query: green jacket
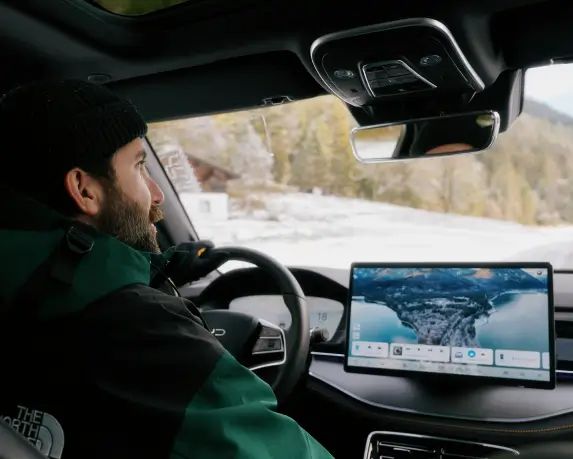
{"x": 99, "y": 365}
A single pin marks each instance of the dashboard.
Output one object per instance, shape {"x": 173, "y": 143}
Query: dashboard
{"x": 323, "y": 312}
{"x": 349, "y": 407}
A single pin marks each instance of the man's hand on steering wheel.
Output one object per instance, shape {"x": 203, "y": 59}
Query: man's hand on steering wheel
{"x": 192, "y": 261}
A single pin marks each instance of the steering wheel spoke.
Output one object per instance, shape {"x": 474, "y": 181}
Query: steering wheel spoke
{"x": 270, "y": 347}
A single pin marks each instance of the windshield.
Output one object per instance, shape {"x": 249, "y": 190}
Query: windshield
{"x": 284, "y": 180}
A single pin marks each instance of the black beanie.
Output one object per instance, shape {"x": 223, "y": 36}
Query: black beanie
{"x": 49, "y": 127}
{"x": 65, "y": 124}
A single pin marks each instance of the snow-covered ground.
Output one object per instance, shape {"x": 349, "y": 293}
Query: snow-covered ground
{"x": 323, "y": 231}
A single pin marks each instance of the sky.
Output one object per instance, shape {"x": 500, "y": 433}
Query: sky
{"x": 553, "y": 85}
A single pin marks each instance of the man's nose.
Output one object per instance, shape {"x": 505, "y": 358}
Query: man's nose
{"x": 157, "y": 196}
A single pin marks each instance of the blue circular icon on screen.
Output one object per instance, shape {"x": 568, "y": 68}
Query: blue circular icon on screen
{"x": 471, "y": 354}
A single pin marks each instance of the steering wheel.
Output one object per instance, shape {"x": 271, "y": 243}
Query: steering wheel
{"x": 257, "y": 343}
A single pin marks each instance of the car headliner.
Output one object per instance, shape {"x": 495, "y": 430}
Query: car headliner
{"x": 220, "y": 55}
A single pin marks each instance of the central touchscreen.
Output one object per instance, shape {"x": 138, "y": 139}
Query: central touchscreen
{"x": 484, "y": 321}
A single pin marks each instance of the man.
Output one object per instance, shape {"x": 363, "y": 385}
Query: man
{"x": 95, "y": 363}
{"x": 453, "y": 135}
{"x": 450, "y": 148}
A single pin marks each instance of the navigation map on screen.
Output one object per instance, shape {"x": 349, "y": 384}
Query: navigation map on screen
{"x": 490, "y": 322}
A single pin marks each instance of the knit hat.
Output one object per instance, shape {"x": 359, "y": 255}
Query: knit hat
{"x": 53, "y": 126}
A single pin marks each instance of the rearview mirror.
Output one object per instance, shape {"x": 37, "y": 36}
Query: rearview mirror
{"x": 426, "y": 137}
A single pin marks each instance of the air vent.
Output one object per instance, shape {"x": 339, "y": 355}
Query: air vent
{"x": 455, "y": 450}
{"x": 397, "y": 445}
{"x": 402, "y": 451}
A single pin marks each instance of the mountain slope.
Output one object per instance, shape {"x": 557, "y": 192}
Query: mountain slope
{"x": 544, "y": 111}
{"x": 410, "y": 284}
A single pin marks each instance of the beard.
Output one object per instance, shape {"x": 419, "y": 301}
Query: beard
{"x": 128, "y": 221}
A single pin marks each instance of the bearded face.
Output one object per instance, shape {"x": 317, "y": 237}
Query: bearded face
{"x": 129, "y": 221}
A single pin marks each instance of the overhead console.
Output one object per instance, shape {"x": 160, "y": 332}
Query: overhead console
{"x": 410, "y": 57}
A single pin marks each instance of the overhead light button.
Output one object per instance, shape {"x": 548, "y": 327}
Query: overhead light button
{"x": 344, "y": 74}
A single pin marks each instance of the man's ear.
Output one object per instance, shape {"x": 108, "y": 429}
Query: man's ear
{"x": 85, "y": 190}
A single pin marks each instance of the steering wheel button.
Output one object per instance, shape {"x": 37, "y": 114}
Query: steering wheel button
{"x": 270, "y": 332}
{"x": 273, "y": 344}
{"x": 267, "y": 345}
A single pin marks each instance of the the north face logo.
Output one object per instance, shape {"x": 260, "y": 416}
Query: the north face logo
{"x": 41, "y": 429}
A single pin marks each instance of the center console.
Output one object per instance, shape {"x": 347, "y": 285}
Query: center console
{"x": 395, "y": 445}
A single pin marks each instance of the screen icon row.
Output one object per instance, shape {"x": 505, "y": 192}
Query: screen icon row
{"x": 451, "y": 368}
{"x": 464, "y": 355}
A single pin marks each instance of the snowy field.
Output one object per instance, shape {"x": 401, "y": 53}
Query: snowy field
{"x": 320, "y": 231}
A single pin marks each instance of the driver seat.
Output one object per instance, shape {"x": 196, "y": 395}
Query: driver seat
{"x": 15, "y": 446}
